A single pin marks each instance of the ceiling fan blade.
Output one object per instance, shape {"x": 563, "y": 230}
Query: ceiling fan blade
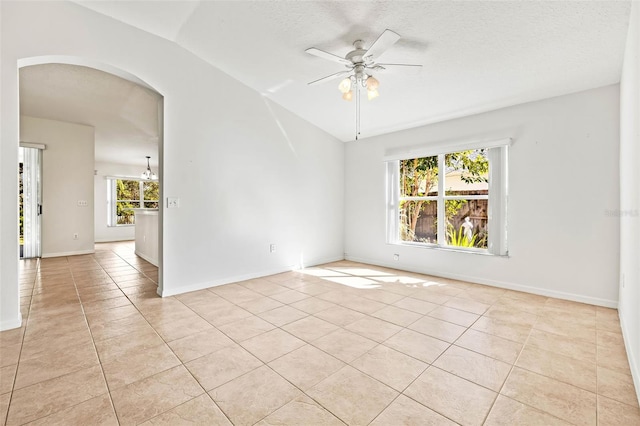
{"x": 395, "y": 67}
{"x": 329, "y": 77}
{"x": 329, "y": 56}
{"x": 387, "y": 39}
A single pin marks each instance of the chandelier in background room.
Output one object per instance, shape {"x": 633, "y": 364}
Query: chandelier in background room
{"x": 148, "y": 174}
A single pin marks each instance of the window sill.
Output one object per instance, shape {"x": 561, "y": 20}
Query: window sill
{"x": 481, "y": 252}
{"x": 121, "y": 226}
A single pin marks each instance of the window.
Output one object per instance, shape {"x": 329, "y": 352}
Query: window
{"x": 124, "y": 195}
{"x": 455, "y": 199}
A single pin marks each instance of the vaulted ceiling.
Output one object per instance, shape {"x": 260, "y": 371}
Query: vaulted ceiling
{"x": 476, "y": 56}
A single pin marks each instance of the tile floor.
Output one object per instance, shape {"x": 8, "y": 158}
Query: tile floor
{"x": 341, "y": 343}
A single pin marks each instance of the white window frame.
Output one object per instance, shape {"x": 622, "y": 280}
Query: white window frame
{"x": 112, "y": 200}
{"x": 497, "y": 197}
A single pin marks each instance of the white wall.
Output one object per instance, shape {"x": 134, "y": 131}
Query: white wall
{"x": 562, "y": 178}
{"x": 629, "y": 197}
{"x": 104, "y": 233}
{"x": 67, "y": 178}
{"x": 248, "y": 173}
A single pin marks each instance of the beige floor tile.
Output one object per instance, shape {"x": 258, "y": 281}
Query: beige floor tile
{"x": 310, "y": 328}
{"x": 344, "y": 345}
{"x": 490, "y": 345}
{"x": 430, "y": 296}
{"x": 607, "y": 338}
{"x": 508, "y": 412}
{"x": 119, "y": 327}
{"x": 613, "y": 358}
{"x": 340, "y": 316}
{"x": 199, "y": 344}
{"x": 510, "y": 313}
{"x": 127, "y": 344}
{"x": 352, "y": 396}
{"x": 312, "y": 288}
{"x": 201, "y": 410}
{"x": 442, "y": 330}
{"x": 9, "y": 354}
{"x": 565, "y": 369}
{"x": 364, "y": 305}
{"x": 505, "y": 329}
{"x": 235, "y": 293}
{"x": 11, "y": 337}
{"x": 246, "y": 328}
{"x": 224, "y": 315}
{"x": 398, "y": 316}
{"x": 454, "y": 316}
{"x": 475, "y": 367}
{"x": 7, "y": 376}
{"x": 262, "y": 304}
{"x": 418, "y": 306}
{"x": 253, "y": 396}
{"x": 283, "y": 315}
{"x": 559, "y": 325}
{"x": 467, "y": 305}
{"x": 373, "y": 328}
{"x": 99, "y": 305}
{"x": 154, "y": 395}
{"x": 390, "y": 367}
{"x": 562, "y": 400}
{"x": 417, "y": 345}
{"x": 563, "y": 345}
{"x": 405, "y": 411}
{"x": 383, "y": 296}
{"x": 51, "y": 396}
{"x": 301, "y": 411}
{"x": 222, "y": 366}
{"x": 289, "y": 296}
{"x": 96, "y": 411}
{"x": 131, "y": 367}
{"x": 306, "y": 366}
{"x": 614, "y": 413}
{"x": 272, "y": 344}
{"x": 4, "y": 407}
{"x": 616, "y": 385}
{"x": 55, "y": 364}
{"x": 172, "y": 330}
{"x": 312, "y": 305}
{"x": 107, "y": 315}
{"x": 264, "y": 287}
{"x": 455, "y": 398}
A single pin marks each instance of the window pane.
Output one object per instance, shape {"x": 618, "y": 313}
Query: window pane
{"x": 150, "y": 204}
{"x": 419, "y": 177}
{"x": 467, "y": 172}
{"x": 127, "y": 189}
{"x": 418, "y": 221}
{"x": 467, "y": 223}
{"x": 124, "y": 212}
{"x": 151, "y": 190}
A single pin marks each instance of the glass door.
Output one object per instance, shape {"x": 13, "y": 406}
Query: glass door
{"x": 30, "y": 201}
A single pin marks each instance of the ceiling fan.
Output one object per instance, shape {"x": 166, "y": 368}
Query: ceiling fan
{"x": 361, "y": 64}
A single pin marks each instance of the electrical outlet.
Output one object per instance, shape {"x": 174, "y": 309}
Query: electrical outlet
{"x": 82, "y": 203}
{"x": 75, "y": 236}
{"x": 396, "y": 257}
{"x": 173, "y": 202}
{"x": 272, "y": 248}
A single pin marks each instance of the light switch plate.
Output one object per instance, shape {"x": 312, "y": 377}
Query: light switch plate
{"x": 173, "y": 202}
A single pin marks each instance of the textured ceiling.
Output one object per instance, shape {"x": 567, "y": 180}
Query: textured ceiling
{"x": 477, "y": 55}
{"x": 124, "y": 114}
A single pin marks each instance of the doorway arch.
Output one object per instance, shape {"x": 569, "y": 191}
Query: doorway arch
{"x": 121, "y": 73}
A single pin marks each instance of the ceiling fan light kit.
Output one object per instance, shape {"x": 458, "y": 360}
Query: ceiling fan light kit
{"x": 361, "y": 64}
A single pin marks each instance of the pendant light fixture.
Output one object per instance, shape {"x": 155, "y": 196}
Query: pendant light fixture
{"x": 148, "y": 174}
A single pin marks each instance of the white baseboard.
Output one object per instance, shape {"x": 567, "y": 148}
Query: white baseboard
{"x": 631, "y": 355}
{"x": 149, "y": 259}
{"x": 233, "y": 279}
{"x": 11, "y": 324}
{"x": 494, "y": 283}
{"x": 68, "y": 253}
